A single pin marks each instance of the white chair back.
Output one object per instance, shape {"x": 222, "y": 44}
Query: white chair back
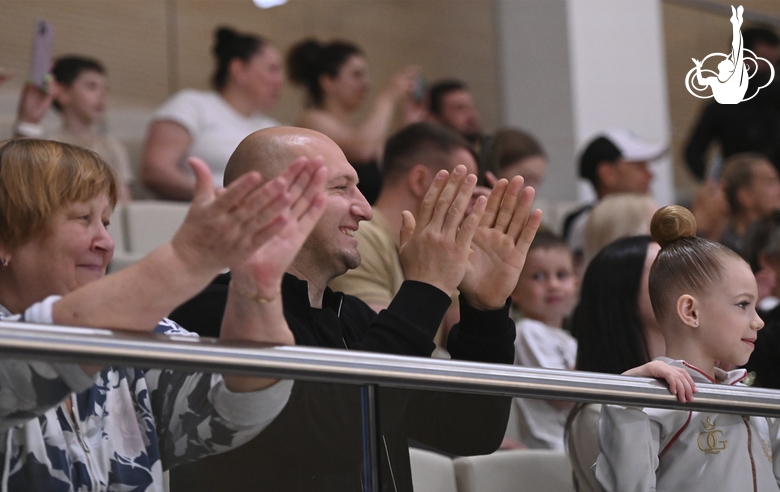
{"x": 432, "y": 472}
{"x": 528, "y": 470}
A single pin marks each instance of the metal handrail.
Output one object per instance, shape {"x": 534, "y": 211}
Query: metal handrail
{"x": 106, "y": 347}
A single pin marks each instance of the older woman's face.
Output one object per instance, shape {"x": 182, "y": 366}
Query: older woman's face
{"x": 76, "y": 252}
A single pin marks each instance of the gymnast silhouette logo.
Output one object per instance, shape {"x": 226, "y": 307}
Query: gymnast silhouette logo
{"x": 734, "y": 70}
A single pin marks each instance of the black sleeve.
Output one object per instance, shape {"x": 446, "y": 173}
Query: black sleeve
{"x": 409, "y": 324}
{"x": 700, "y": 140}
{"x": 467, "y": 424}
{"x": 483, "y": 336}
{"x": 203, "y": 313}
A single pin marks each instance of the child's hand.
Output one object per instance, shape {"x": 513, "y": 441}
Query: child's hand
{"x": 679, "y": 381}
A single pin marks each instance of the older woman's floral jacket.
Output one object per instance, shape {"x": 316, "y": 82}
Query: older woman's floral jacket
{"x": 130, "y": 424}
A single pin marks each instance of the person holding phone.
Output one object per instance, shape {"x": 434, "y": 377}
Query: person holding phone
{"x": 336, "y": 78}
{"x": 77, "y": 88}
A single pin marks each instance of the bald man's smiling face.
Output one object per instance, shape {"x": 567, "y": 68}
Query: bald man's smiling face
{"x": 331, "y": 248}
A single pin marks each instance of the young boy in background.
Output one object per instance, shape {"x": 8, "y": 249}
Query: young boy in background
{"x": 544, "y": 295}
{"x": 81, "y": 102}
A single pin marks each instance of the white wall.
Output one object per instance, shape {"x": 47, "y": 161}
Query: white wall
{"x": 572, "y": 68}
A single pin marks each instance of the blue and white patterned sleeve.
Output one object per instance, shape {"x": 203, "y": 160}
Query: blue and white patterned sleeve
{"x": 29, "y": 389}
{"x": 198, "y": 416}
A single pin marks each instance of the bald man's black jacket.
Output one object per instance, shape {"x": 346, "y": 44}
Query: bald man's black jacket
{"x": 315, "y": 444}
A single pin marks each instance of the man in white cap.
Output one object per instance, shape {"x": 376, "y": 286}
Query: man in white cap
{"x": 615, "y": 161}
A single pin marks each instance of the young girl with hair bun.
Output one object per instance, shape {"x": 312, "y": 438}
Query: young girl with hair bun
{"x": 704, "y": 299}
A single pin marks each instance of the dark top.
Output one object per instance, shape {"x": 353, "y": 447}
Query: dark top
{"x": 750, "y": 126}
{"x": 315, "y": 444}
{"x": 765, "y": 360}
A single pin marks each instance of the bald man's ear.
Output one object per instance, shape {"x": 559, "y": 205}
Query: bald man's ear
{"x": 418, "y": 180}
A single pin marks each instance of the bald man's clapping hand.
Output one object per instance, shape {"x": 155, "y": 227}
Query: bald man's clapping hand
{"x": 500, "y": 245}
{"x": 435, "y": 248}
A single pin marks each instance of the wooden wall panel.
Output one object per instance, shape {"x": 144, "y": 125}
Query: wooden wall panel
{"x": 127, "y": 36}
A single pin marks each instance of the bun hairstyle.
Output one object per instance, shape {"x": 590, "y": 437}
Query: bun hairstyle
{"x": 308, "y": 60}
{"x": 672, "y": 223}
{"x": 228, "y": 45}
{"x": 686, "y": 264}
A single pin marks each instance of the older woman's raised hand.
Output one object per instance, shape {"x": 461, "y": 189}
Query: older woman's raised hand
{"x": 262, "y": 273}
{"x": 223, "y": 228}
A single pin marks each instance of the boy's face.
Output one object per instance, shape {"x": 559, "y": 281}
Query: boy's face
{"x": 86, "y": 96}
{"x": 547, "y": 286}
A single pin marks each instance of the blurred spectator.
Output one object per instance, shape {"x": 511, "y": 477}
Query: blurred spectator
{"x": 450, "y": 104}
{"x": 514, "y": 152}
{"x": 78, "y": 92}
{"x": 616, "y": 216}
{"x": 545, "y": 293}
{"x": 750, "y": 126}
{"x": 752, "y": 188}
{"x": 617, "y": 161}
{"x": 335, "y": 76}
{"x": 210, "y": 124}
{"x": 616, "y": 330}
{"x": 762, "y": 251}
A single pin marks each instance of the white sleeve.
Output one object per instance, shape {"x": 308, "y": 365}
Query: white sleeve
{"x": 534, "y": 347}
{"x": 629, "y": 444}
{"x": 182, "y": 108}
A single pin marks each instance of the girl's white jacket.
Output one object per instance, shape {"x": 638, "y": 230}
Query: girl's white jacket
{"x": 671, "y": 450}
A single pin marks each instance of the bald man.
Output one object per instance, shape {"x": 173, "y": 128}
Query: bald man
{"x": 316, "y": 443}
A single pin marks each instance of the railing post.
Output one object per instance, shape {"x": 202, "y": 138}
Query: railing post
{"x": 369, "y": 412}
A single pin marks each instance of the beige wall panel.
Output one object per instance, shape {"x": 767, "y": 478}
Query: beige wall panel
{"x": 694, "y": 33}
{"x": 447, "y": 38}
{"x": 128, "y": 37}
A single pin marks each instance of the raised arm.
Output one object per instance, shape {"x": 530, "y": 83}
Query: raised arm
{"x": 365, "y": 141}
{"x": 221, "y": 230}
{"x": 254, "y": 310}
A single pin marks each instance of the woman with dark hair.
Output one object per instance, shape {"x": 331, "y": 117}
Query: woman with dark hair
{"x": 210, "y": 124}
{"x": 335, "y": 77}
{"x": 616, "y": 331}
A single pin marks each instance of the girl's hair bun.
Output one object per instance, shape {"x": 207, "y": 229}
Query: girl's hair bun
{"x": 671, "y": 223}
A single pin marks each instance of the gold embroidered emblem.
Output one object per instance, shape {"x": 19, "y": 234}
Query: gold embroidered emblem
{"x": 767, "y": 448}
{"x": 709, "y": 441}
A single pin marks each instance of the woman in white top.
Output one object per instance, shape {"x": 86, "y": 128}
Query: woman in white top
{"x": 210, "y": 124}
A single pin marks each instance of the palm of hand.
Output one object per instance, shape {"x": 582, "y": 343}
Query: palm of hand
{"x": 493, "y": 268}
{"x": 271, "y": 260}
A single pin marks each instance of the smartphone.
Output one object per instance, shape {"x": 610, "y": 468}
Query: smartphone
{"x": 40, "y": 64}
{"x": 420, "y": 89}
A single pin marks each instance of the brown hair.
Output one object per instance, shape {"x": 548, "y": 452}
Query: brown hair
{"x": 738, "y": 173}
{"x": 512, "y": 145}
{"x": 686, "y": 263}
{"x": 39, "y": 177}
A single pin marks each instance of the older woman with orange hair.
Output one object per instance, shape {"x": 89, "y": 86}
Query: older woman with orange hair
{"x": 76, "y": 427}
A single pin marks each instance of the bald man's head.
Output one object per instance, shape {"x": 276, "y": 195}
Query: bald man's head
{"x": 272, "y": 150}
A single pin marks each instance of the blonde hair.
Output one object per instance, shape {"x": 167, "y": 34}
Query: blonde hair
{"x": 617, "y": 216}
{"x": 39, "y": 177}
{"x": 686, "y": 264}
